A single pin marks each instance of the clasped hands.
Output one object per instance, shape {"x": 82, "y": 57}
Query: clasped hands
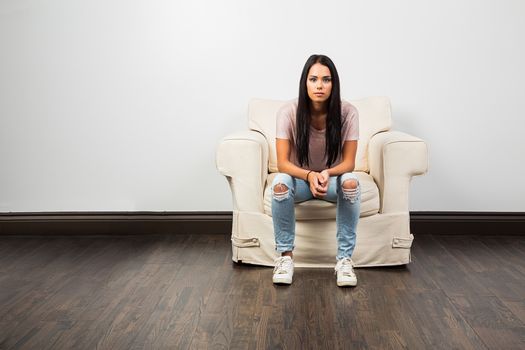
{"x": 319, "y": 183}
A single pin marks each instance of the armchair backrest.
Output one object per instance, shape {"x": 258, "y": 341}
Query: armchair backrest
{"x": 374, "y": 117}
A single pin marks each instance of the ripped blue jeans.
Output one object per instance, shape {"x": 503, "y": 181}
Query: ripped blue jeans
{"x": 298, "y": 190}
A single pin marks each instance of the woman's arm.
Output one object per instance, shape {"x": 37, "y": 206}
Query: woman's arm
{"x": 283, "y": 160}
{"x": 285, "y": 166}
{"x": 347, "y": 164}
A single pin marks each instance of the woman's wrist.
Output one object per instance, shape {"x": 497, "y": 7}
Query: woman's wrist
{"x": 308, "y": 176}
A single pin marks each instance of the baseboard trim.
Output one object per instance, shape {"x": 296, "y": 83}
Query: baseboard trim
{"x": 467, "y": 223}
{"x": 133, "y": 223}
{"x": 114, "y": 223}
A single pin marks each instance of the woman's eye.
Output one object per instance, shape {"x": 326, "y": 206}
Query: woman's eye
{"x": 313, "y": 80}
{"x": 327, "y": 80}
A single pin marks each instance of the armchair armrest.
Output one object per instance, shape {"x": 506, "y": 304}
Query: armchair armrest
{"x": 394, "y": 157}
{"x": 243, "y": 158}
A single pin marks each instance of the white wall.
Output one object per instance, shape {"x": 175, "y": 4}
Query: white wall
{"x": 119, "y": 105}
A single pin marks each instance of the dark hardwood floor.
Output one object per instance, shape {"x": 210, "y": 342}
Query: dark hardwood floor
{"x": 181, "y": 292}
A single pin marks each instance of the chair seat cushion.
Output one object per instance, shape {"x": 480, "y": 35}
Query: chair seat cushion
{"x": 317, "y": 209}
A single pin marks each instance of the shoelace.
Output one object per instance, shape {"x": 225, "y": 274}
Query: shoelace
{"x": 346, "y": 268}
{"x": 281, "y": 265}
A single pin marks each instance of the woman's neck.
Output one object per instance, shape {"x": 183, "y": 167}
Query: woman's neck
{"x": 318, "y": 112}
{"x": 318, "y": 109}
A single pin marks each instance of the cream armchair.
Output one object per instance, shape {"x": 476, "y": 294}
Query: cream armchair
{"x": 386, "y": 160}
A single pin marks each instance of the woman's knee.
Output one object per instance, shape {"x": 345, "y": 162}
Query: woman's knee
{"x": 350, "y": 187}
{"x": 281, "y": 185}
{"x": 350, "y": 184}
{"x": 280, "y": 192}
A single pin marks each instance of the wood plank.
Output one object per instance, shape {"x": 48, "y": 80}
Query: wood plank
{"x": 184, "y": 292}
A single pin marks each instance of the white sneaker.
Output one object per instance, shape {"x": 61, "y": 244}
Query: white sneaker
{"x": 283, "y": 271}
{"x": 345, "y": 273}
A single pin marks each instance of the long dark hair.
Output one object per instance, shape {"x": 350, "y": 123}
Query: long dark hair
{"x": 333, "y": 119}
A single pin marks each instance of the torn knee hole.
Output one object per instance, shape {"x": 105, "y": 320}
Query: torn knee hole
{"x": 280, "y": 192}
{"x": 351, "y": 190}
{"x": 280, "y": 188}
{"x": 350, "y": 184}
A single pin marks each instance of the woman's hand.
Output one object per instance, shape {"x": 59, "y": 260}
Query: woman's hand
{"x": 318, "y": 185}
{"x": 324, "y": 179}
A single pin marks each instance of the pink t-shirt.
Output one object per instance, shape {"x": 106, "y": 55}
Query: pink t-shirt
{"x": 286, "y": 129}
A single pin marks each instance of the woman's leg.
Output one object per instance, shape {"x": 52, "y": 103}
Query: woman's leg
{"x": 286, "y": 191}
{"x": 345, "y": 190}
{"x": 348, "y": 210}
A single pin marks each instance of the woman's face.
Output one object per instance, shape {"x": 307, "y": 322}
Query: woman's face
{"x": 319, "y": 83}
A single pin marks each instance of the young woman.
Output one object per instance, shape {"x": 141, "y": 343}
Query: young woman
{"x": 316, "y": 146}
